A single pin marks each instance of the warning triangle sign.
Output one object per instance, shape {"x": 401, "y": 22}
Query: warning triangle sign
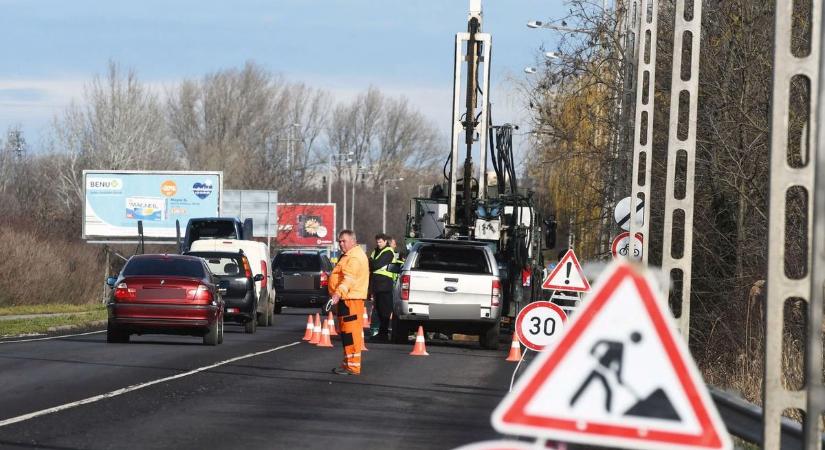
{"x": 567, "y": 275}
{"x": 620, "y": 376}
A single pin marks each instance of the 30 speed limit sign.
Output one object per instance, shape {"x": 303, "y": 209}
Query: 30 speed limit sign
{"x": 539, "y": 324}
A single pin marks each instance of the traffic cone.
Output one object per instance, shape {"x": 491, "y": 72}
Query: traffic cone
{"x": 325, "y": 341}
{"x": 310, "y": 327}
{"x": 316, "y": 330}
{"x": 331, "y": 325}
{"x": 363, "y": 342}
{"x": 420, "y": 348}
{"x": 366, "y": 318}
{"x": 515, "y": 350}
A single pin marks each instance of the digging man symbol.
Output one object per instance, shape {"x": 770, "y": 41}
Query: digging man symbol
{"x": 609, "y": 356}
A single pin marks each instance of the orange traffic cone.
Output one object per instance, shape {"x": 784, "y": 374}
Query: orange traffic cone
{"x": 331, "y": 325}
{"x": 420, "y": 348}
{"x": 310, "y": 327}
{"x": 325, "y": 342}
{"x": 363, "y": 342}
{"x": 316, "y": 330}
{"x": 515, "y": 350}
{"x": 366, "y": 318}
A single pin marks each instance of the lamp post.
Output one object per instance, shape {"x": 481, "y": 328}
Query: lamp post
{"x": 359, "y": 171}
{"x": 332, "y": 158}
{"x": 384, "y": 216}
{"x": 290, "y": 150}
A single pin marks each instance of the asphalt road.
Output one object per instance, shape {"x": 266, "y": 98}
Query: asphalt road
{"x": 285, "y": 397}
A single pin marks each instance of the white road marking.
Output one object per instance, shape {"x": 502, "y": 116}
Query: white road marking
{"x": 52, "y": 337}
{"x": 134, "y": 387}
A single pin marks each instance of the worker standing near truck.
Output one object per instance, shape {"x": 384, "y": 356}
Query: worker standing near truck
{"x": 381, "y": 283}
{"x": 348, "y": 285}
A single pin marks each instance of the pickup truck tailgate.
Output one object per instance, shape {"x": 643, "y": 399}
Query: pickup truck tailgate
{"x": 450, "y": 289}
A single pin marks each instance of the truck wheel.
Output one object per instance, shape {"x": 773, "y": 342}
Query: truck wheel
{"x": 251, "y": 326}
{"x": 400, "y": 331}
{"x": 212, "y": 336}
{"x": 115, "y": 335}
{"x": 489, "y": 338}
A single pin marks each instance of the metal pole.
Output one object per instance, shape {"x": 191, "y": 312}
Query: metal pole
{"x": 384, "y": 215}
{"x": 352, "y": 206}
{"x": 329, "y": 181}
{"x": 344, "y": 194}
{"x": 807, "y": 179}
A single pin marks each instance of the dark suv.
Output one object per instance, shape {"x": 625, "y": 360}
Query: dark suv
{"x": 240, "y": 301}
{"x": 300, "y": 278}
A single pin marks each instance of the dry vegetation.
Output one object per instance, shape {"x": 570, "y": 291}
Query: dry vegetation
{"x": 732, "y": 172}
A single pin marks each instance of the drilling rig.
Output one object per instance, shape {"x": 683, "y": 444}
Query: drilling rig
{"x": 474, "y": 203}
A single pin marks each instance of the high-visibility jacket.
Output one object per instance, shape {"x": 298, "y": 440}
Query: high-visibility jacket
{"x": 381, "y": 279}
{"x": 350, "y": 278}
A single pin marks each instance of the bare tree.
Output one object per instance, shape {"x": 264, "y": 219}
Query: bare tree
{"x": 119, "y": 126}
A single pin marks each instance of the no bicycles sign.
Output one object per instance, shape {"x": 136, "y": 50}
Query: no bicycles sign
{"x": 539, "y": 324}
{"x": 622, "y": 245}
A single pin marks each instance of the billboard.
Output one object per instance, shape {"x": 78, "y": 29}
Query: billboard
{"x": 260, "y": 206}
{"x": 306, "y": 224}
{"x": 114, "y": 201}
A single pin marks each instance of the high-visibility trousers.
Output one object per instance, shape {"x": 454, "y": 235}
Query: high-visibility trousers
{"x": 350, "y": 313}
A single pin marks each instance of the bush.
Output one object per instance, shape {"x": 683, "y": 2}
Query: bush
{"x": 40, "y": 271}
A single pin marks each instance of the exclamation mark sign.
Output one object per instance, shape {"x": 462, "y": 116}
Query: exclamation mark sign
{"x": 569, "y": 266}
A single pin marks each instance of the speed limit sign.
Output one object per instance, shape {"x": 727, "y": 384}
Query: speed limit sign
{"x": 621, "y": 247}
{"x": 539, "y": 324}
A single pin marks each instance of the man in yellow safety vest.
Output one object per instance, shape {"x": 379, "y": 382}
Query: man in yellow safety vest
{"x": 381, "y": 283}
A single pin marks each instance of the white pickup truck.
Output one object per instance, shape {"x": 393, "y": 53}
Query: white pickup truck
{"x": 448, "y": 286}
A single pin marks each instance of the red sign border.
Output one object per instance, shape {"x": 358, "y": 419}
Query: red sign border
{"x": 621, "y": 236}
{"x": 515, "y": 414}
{"x": 570, "y": 254}
{"x": 530, "y": 307}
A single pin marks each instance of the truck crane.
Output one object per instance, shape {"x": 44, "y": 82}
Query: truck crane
{"x": 474, "y": 203}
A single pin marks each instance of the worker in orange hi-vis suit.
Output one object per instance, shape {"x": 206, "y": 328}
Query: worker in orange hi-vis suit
{"x": 347, "y": 287}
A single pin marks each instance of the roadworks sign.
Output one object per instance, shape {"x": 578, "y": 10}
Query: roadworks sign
{"x": 567, "y": 275}
{"x": 620, "y": 376}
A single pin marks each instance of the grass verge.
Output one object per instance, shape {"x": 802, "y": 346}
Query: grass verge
{"x": 50, "y": 308}
{"x": 43, "y": 324}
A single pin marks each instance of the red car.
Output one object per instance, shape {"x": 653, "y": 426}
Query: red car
{"x": 166, "y": 294}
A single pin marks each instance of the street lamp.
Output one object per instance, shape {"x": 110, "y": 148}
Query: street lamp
{"x": 290, "y": 151}
{"x": 384, "y": 216}
{"x": 339, "y": 157}
{"x": 359, "y": 171}
{"x": 562, "y": 27}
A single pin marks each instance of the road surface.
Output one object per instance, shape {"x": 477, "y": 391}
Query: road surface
{"x": 267, "y": 390}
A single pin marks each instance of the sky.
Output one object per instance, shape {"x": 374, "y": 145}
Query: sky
{"x": 52, "y": 47}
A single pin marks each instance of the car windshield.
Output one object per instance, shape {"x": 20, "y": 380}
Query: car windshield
{"x": 298, "y": 262}
{"x": 452, "y": 259}
{"x": 218, "y": 229}
{"x": 176, "y": 267}
{"x": 221, "y": 265}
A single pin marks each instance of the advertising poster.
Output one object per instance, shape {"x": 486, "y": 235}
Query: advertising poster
{"x": 114, "y": 201}
{"x": 306, "y": 224}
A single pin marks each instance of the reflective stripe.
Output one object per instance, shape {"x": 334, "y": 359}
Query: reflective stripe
{"x": 353, "y": 355}
{"x": 383, "y": 269}
{"x": 353, "y": 364}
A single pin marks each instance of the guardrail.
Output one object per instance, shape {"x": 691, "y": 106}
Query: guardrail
{"x": 744, "y": 420}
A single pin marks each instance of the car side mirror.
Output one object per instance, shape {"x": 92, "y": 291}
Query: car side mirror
{"x": 111, "y": 281}
{"x": 258, "y": 277}
{"x": 394, "y": 267}
{"x": 223, "y": 286}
